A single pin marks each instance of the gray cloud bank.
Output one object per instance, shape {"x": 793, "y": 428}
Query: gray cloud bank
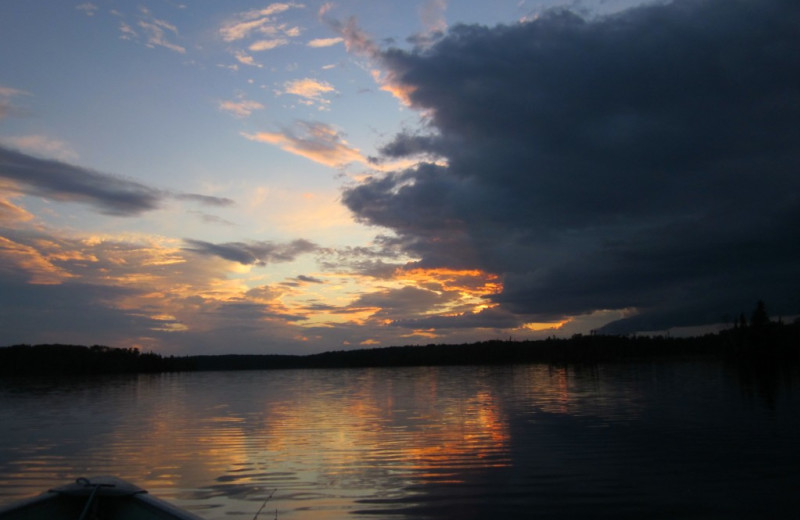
{"x": 649, "y": 159}
{"x": 105, "y": 193}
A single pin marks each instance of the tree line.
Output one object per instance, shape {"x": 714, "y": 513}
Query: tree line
{"x": 57, "y": 359}
{"x": 761, "y": 340}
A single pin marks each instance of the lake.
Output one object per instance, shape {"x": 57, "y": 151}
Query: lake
{"x": 687, "y": 439}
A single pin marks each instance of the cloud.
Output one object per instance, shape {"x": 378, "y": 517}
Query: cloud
{"x": 107, "y": 194}
{"x": 252, "y": 253}
{"x": 241, "y": 107}
{"x": 10, "y": 213}
{"x": 268, "y": 45}
{"x": 356, "y": 40}
{"x": 64, "y": 182}
{"x": 125, "y": 290}
{"x": 432, "y": 16}
{"x": 308, "y": 279}
{"x": 213, "y": 219}
{"x": 76, "y": 313}
{"x": 324, "y": 42}
{"x": 127, "y": 32}
{"x": 360, "y": 43}
{"x": 39, "y": 269}
{"x": 256, "y": 21}
{"x": 401, "y": 303}
{"x": 42, "y": 146}
{"x": 262, "y": 27}
{"x": 157, "y": 32}
{"x": 206, "y": 200}
{"x": 313, "y": 140}
{"x": 644, "y": 161}
{"x": 87, "y": 7}
{"x": 311, "y": 91}
{"x": 136, "y": 290}
{"x": 6, "y": 95}
{"x": 7, "y": 92}
{"x": 152, "y": 32}
{"x": 492, "y": 318}
{"x": 246, "y": 59}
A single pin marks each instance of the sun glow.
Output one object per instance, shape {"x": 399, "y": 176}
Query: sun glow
{"x": 536, "y": 327}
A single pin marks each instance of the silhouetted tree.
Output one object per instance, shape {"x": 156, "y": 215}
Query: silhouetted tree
{"x": 759, "y": 319}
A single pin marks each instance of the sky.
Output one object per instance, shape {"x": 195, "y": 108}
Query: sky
{"x": 197, "y": 177}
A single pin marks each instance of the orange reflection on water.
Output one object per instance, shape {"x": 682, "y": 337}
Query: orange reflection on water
{"x": 322, "y": 438}
{"x": 388, "y": 428}
{"x": 474, "y": 435}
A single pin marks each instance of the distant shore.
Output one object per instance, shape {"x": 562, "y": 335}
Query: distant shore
{"x": 773, "y": 342}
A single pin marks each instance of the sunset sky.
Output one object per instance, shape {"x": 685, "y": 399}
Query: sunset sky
{"x": 239, "y": 177}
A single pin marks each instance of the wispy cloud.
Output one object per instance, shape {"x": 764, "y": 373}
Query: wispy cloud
{"x": 6, "y": 95}
{"x": 360, "y": 43}
{"x": 7, "y": 92}
{"x": 41, "y": 145}
{"x": 316, "y": 141}
{"x": 241, "y": 107}
{"x": 108, "y": 194}
{"x": 262, "y": 28}
{"x": 432, "y": 15}
{"x": 255, "y": 21}
{"x": 65, "y": 182}
{"x": 127, "y": 32}
{"x": 87, "y": 7}
{"x": 207, "y": 200}
{"x": 157, "y": 32}
{"x": 253, "y": 253}
{"x": 356, "y": 40}
{"x": 153, "y": 32}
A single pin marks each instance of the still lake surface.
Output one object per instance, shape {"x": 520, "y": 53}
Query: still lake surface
{"x": 647, "y": 440}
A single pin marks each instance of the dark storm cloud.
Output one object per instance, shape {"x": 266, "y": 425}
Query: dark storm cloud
{"x": 486, "y": 319}
{"x": 649, "y": 159}
{"x": 253, "y": 253}
{"x": 106, "y": 193}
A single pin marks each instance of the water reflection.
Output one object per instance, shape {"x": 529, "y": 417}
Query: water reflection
{"x": 455, "y": 442}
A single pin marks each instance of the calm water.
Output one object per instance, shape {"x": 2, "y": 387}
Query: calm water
{"x": 678, "y": 440}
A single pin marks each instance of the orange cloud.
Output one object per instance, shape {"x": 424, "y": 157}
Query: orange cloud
{"x": 256, "y": 21}
{"x": 241, "y": 108}
{"x": 10, "y": 213}
{"x": 471, "y": 283}
{"x": 39, "y": 269}
{"x": 311, "y": 91}
{"x": 318, "y": 142}
{"x": 388, "y": 82}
